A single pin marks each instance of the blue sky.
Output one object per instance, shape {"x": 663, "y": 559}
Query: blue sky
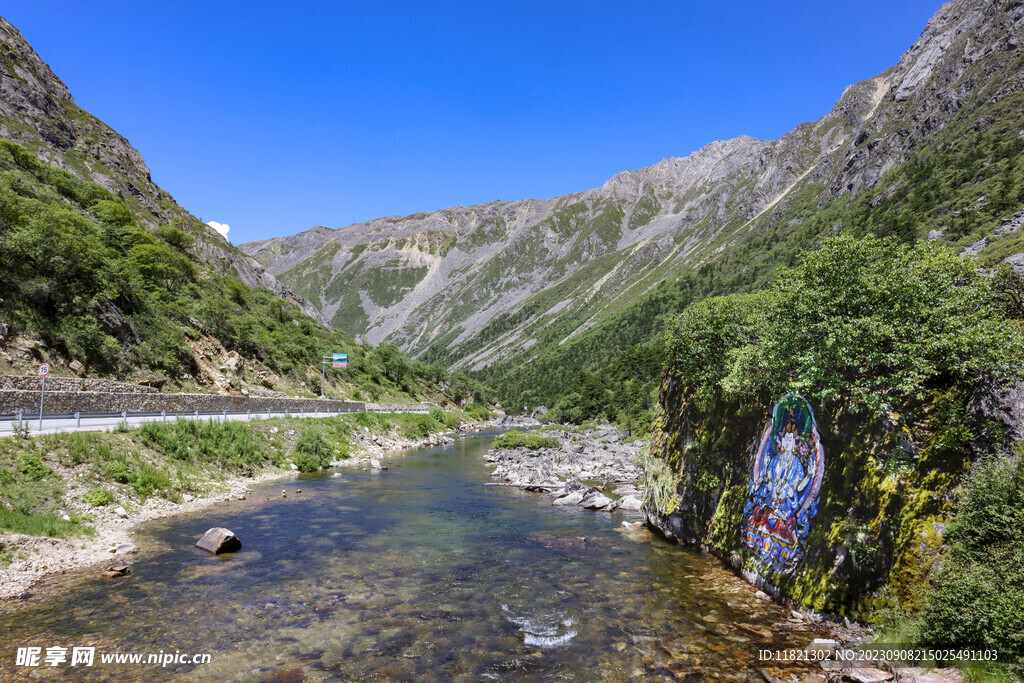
{"x": 275, "y": 117}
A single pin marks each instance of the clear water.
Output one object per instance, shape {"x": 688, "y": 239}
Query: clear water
{"x": 417, "y": 573}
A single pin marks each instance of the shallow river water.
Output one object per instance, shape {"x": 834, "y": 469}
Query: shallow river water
{"x": 419, "y": 572}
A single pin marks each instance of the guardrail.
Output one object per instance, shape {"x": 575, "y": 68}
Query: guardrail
{"x": 10, "y": 422}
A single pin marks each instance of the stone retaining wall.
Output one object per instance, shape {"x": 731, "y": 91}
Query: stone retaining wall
{"x": 66, "y": 402}
{"x": 33, "y": 383}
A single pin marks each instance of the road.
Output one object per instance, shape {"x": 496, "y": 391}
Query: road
{"x": 93, "y": 422}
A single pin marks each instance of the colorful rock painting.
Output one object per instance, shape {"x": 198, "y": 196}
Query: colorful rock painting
{"x": 784, "y": 485}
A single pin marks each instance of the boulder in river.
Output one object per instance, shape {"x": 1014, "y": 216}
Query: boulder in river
{"x": 595, "y": 500}
{"x": 219, "y": 540}
{"x": 117, "y": 570}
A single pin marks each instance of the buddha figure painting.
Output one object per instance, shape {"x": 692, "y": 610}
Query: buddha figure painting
{"x": 784, "y": 486}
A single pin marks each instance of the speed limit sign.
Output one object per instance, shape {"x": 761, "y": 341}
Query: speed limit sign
{"x": 43, "y": 370}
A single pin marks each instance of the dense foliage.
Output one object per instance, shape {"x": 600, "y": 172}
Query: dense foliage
{"x": 979, "y": 599}
{"x": 867, "y": 321}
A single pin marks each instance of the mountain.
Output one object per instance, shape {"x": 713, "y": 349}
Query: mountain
{"x": 530, "y": 292}
{"x": 101, "y": 270}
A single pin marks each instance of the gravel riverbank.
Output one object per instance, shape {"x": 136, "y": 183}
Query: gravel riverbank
{"x": 591, "y": 468}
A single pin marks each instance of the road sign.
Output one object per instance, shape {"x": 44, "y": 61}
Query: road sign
{"x": 43, "y": 370}
{"x": 340, "y": 360}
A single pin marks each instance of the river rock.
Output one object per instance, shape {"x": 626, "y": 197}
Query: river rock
{"x": 117, "y": 570}
{"x": 121, "y": 512}
{"x": 126, "y": 549}
{"x": 630, "y": 502}
{"x": 219, "y": 540}
{"x": 596, "y": 500}
{"x": 572, "y": 498}
{"x": 375, "y": 464}
{"x": 866, "y": 674}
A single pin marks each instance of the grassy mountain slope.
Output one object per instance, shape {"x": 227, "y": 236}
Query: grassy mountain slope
{"x": 99, "y": 265}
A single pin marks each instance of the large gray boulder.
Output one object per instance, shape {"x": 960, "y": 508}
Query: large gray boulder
{"x": 629, "y": 502}
{"x": 219, "y": 540}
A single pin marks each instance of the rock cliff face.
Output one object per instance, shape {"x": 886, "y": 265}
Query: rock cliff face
{"x": 868, "y": 529}
{"x": 38, "y": 112}
{"x": 490, "y": 285}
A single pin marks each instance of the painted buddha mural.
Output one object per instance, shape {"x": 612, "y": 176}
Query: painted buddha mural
{"x": 784, "y": 485}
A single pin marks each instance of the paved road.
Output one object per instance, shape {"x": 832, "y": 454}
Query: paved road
{"x": 93, "y": 422}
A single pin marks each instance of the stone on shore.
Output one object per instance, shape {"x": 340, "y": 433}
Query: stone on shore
{"x": 866, "y": 674}
{"x": 219, "y": 540}
{"x": 629, "y": 502}
{"x": 121, "y": 512}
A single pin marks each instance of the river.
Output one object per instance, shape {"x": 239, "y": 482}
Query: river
{"x": 418, "y": 573}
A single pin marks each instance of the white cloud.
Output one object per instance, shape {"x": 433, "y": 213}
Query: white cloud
{"x": 222, "y": 228}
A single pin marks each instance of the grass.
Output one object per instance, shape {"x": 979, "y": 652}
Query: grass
{"x": 168, "y": 460}
{"x": 529, "y": 440}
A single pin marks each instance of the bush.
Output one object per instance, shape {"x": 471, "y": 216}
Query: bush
{"x": 98, "y": 497}
{"x": 118, "y": 471}
{"x": 312, "y": 451}
{"x": 530, "y": 440}
{"x": 33, "y": 467}
{"x": 979, "y": 595}
{"x": 147, "y": 479}
{"x": 479, "y": 411}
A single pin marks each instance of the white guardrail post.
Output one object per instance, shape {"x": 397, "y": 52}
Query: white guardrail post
{"x": 78, "y": 420}
{"x": 163, "y": 415}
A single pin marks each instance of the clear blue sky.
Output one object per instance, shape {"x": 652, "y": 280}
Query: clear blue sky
{"x": 275, "y": 117}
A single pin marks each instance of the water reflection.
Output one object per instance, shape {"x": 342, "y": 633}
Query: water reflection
{"x": 419, "y": 572}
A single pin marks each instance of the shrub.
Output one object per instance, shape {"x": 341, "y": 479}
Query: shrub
{"x": 30, "y": 465}
{"x": 98, "y": 497}
{"x": 530, "y": 440}
{"x": 147, "y": 479}
{"x": 979, "y": 595}
{"x": 312, "y": 451}
{"x": 118, "y": 471}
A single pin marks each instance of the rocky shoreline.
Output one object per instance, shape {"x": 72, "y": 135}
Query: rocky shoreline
{"x": 593, "y": 468}
{"x": 36, "y": 557}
